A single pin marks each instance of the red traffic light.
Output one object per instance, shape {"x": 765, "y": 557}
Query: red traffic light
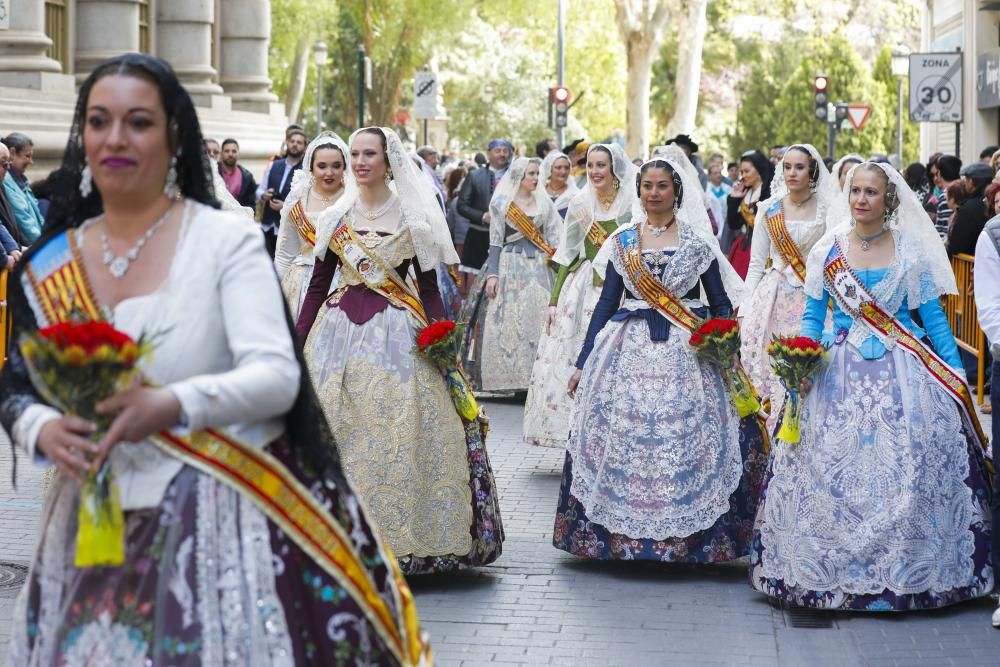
{"x": 821, "y": 83}
{"x": 559, "y": 94}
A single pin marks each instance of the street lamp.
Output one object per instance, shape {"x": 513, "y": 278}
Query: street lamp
{"x": 319, "y": 59}
{"x": 900, "y": 69}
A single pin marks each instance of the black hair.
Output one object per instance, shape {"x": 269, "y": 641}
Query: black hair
{"x": 845, "y": 164}
{"x": 988, "y": 152}
{"x": 948, "y": 167}
{"x": 675, "y": 179}
{"x": 813, "y": 163}
{"x": 328, "y": 144}
{"x": 915, "y": 175}
{"x": 194, "y": 176}
{"x": 226, "y": 142}
{"x": 730, "y": 165}
{"x": 764, "y": 167}
{"x": 17, "y": 142}
{"x": 543, "y": 147}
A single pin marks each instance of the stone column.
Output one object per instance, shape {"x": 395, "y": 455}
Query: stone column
{"x": 95, "y": 42}
{"x": 245, "y": 31}
{"x": 23, "y": 61}
{"x": 184, "y": 39}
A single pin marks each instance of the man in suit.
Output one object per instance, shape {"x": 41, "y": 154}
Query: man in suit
{"x": 239, "y": 181}
{"x": 277, "y": 185}
{"x": 474, "y": 203}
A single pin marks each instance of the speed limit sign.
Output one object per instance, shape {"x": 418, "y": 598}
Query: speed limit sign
{"x": 936, "y": 87}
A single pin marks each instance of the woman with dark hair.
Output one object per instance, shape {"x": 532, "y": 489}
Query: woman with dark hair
{"x": 915, "y": 176}
{"x": 458, "y": 224}
{"x": 659, "y": 466}
{"x": 788, "y": 224}
{"x": 324, "y": 178}
{"x": 420, "y": 466}
{"x": 884, "y": 504}
{"x": 754, "y": 186}
{"x": 244, "y": 543}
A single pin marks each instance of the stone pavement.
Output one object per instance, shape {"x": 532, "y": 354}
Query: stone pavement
{"x": 537, "y": 605}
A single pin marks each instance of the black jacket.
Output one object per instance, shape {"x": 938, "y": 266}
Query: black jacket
{"x": 970, "y": 218}
{"x": 248, "y": 191}
{"x": 474, "y": 199}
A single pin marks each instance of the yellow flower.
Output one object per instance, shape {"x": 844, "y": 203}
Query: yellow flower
{"x": 74, "y": 355}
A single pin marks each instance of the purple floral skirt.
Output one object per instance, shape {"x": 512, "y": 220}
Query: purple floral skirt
{"x": 207, "y": 580}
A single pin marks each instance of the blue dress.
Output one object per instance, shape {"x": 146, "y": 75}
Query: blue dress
{"x": 882, "y": 506}
{"x": 659, "y": 466}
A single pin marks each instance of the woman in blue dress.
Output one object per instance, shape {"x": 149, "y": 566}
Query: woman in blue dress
{"x": 883, "y": 505}
{"x": 659, "y": 466}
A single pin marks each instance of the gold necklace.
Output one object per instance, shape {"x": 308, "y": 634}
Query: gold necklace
{"x": 606, "y": 202}
{"x": 799, "y": 204}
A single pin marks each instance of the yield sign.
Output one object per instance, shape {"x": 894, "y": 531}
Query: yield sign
{"x": 858, "y": 114}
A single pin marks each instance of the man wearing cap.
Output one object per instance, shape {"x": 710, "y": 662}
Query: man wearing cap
{"x": 577, "y": 153}
{"x": 474, "y": 203}
{"x": 687, "y": 144}
{"x": 970, "y": 218}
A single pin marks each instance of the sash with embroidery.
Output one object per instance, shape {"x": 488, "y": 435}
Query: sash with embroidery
{"x": 374, "y": 273}
{"x": 298, "y": 217}
{"x": 61, "y": 291}
{"x": 526, "y": 226}
{"x": 855, "y": 300}
{"x": 665, "y": 302}
{"x": 749, "y": 214}
{"x": 596, "y": 234}
{"x": 782, "y": 240}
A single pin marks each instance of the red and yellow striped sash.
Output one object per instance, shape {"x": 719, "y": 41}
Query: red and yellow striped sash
{"x": 782, "y": 240}
{"x": 301, "y": 221}
{"x": 526, "y": 226}
{"x": 596, "y": 234}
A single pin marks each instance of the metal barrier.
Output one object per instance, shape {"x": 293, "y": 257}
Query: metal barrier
{"x": 963, "y": 318}
{"x": 5, "y": 319}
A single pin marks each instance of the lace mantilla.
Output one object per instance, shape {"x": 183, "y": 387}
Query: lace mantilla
{"x": 905, "y": 280}
{"x": 680, "y": 272}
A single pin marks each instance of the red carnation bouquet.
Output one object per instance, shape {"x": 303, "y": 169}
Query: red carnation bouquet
{"x": 441, "y": 342}
{"x": 718, "y": 340}
{"x": 75, "y": 366}
{"x": 794, "y": 359}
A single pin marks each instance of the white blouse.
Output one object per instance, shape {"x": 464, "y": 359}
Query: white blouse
{"x": 805, "y": 234}
{"x": 221, "y": 345}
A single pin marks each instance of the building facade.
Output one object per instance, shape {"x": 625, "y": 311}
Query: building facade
{"x": 972, "y": 27}
{"x": 219, "y": 49}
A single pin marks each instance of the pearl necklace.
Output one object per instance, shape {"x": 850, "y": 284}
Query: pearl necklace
{"x": 118, "y": 266}
{"x": 326, "y": 200}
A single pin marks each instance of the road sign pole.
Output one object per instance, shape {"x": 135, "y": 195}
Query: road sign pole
{"x": 560, "y": 62}
{"x": 361, "y": 86}
{"x": 425, "y": 131}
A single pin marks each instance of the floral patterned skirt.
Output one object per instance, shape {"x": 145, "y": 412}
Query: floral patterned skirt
{"x": 548, "y": 406}
{"x": 207, "y": 580}
{"x": 503, "y": 333}
{"x": 424, "y": 476}
{"x": 775, "y": 309}
{"x": 883, "y": 505}
{"x": 659, "y": 466}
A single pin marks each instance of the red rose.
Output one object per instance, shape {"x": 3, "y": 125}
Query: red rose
{"x": 435, "y": 332}
{"x": 718, "y": 326}
{"x": 88, "y": 335}
{"x": 696, "y": 339}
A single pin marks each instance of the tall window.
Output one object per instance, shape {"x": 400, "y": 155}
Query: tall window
{"x": 144, "y": 26}
{"x": 57, "y": 29}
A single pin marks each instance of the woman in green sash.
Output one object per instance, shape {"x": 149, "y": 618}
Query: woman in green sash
{"x": 422, "y": 471}
{"x": 884, "y": 504}
{"x": 596, "y": 211}
{"x": 221, "y": 457}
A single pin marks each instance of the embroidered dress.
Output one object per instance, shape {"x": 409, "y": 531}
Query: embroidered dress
{"x": 576, "y": 290}
{"x": 883, "y": 505}
{"x": 658, "y": 465}
{"x": 423, "y": 475}
{"x": 208, "y": 578}
{"x": 502, "y": 333}
{"x": 547, "y": 407}
{"x": 295, "y": 279}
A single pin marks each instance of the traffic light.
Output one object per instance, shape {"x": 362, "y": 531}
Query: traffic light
{"x": 821, "y": 95}
{"x": 840, "y": 113}
{"x": 559, "y": 99}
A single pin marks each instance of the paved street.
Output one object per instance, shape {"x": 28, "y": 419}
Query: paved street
{"x": 539, "y": 606}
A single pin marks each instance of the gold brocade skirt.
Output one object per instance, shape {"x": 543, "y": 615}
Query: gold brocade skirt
{"x": 400, "y": 440}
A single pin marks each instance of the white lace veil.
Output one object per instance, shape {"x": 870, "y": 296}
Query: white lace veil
{"x": 418, "y": 204}
{"x": 428, "y": 173}
{"x": 692, "y": 219}
{"x": 826, "y": 185}
{"x": 504, "y": 195}
{"x": 585, "y": 208}
{"x": 545, "y": 173}
{"x": 918, "y": 244}
{"x": 224, "y": 196}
